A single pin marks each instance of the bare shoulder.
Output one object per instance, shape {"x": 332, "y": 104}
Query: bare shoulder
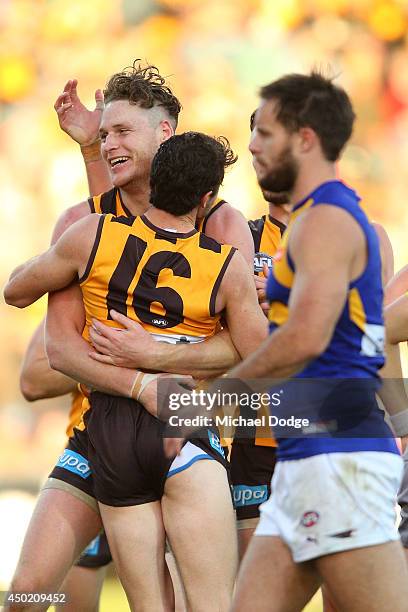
{"x": 229, "y": 226}
{"x": 70, "y": 216}
{"x": 237, "y": 275}
{"x": 222, "y": 219}
{"x": 325, "y": 229}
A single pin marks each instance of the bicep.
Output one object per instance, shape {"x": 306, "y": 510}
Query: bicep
{"x": 321, "y": 283}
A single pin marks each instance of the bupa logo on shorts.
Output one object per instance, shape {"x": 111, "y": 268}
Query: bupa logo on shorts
{"x": 93, "y": 547}
{"x": 261, "y": 259}
{"x": 245, "y": 495}
{"x": 310, "y": 518}
{"x": 215, "y": 442}
{"x": 75, "y": 463}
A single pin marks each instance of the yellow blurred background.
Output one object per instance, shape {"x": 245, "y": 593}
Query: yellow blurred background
{"x": 216, "y": 54}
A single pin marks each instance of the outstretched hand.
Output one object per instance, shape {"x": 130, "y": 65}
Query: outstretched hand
{"x": 74, "y": 118}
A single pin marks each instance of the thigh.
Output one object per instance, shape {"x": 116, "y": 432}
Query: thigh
{"x": 200, "y": 524}
{"x": 82, "y": 586}
{"x": 137, "y": 541}
{"x": 60, "y": 528}
{"x": 72, "y": 472}
{"x": 370, "y": 578}
{"x": 270, "y": 581}
{"x": 251, "y": 474}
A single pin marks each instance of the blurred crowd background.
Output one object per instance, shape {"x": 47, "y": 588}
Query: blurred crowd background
{"x": 216, "y": 54}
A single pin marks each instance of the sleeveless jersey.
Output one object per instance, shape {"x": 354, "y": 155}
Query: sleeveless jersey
{"x": 109, "y": 202}
{"x": 266, "y": 234}
{"x": 355, "y": 351}
{"x": 75, "y": 413}
{"x": 164, "y": 280}
{"x": 105, "y": 203}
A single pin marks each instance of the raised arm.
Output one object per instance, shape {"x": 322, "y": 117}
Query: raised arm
{"x": 82, "y": 125}
{"x": 37, "y": 379}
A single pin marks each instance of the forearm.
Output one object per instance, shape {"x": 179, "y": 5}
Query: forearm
{"x": 280, "y": 356}
{"x": 25, "y": 285}
{"x": 70, "y": 355}
{"x": 205, "y": 359}
{"x": 39, "y": 381}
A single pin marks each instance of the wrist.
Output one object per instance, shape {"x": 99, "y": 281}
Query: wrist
{"x": 91, "y": 151}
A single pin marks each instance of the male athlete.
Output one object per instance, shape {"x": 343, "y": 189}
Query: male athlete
{"x": 160, "y": 258}
{"x": 331, "y": 513}
{"x": 83, "y": 583}
{"x": 396, "y": 320}
{"x": 147, "y": 112}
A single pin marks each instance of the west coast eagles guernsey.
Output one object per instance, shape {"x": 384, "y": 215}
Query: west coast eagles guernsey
{"x": 346, "y": 373}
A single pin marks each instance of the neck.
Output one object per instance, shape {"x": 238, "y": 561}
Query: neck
{"x": 310, "y": 177}
{"x": 135, "y": 196}
{"x": 278, "y": 213}
{"x": 165, "y": 220}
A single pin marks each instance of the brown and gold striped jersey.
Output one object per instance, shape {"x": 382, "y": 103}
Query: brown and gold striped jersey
{"x": 164, "y": 280}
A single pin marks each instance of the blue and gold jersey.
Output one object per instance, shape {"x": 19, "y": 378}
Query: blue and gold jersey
{"x": 356, "y": 348}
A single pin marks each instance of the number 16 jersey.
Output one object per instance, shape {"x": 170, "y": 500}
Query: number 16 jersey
{"x": 165, "y": 280}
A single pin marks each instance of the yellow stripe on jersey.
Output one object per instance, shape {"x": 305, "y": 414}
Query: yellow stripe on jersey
{"x": 109, "y": 202}
{"x": 76, "y": 412}
{"x": 278, "y": 313}
{"x": 166, "y": 281}
{"x": 356, "y": 309}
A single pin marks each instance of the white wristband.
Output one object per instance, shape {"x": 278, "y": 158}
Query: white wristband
{"x": 399, "y": 423}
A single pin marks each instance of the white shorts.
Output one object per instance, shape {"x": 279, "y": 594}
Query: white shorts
{"x": 333, "y": 502}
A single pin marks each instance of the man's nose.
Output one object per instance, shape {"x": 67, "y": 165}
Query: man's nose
{"x": 111, "y": 142}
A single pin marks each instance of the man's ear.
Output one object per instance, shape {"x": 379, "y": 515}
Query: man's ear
{"x": 205, "y": 199}
{"x": 167, "y": 130}
{"x": 306, "y": 139}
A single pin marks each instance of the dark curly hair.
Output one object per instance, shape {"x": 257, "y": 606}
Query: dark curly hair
{"x": 313, "y": 101}
{"x": 185, "y": 168}
{"x": 144, "y": 87}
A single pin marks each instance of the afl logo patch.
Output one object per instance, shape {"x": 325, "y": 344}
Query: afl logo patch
{"x": 261, "y": 259}
{"x": 310, "y": 518}
{"x": 160, "y": 322}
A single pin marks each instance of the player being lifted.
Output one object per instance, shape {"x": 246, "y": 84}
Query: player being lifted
{"x": 159, "y": 258}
